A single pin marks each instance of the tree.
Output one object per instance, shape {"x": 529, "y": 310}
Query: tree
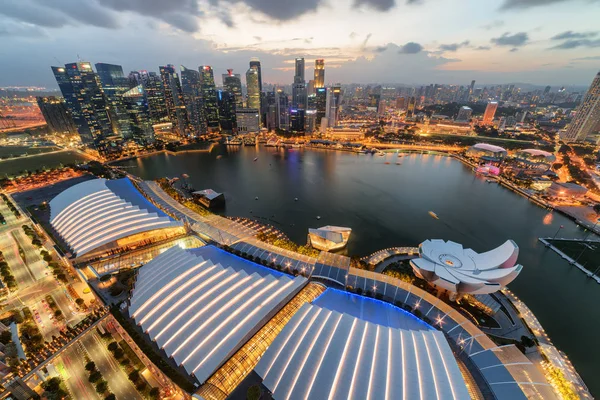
{"x": 154, "y": 393}
{"x": 112, "y": 346}
{"x": 80, "y": 302}
{"x": 101, "y": 387}
{"x": 253, "y": 393}
{"x": 90, "y": 366}
{"x": 110, "y": 396}
{"x": 557, "y": 166}
{"x": 57, "y": 313}
{"x": 134, "y": 376}
{"x": 5, "y": 337}
{"x": 95, "y": 376}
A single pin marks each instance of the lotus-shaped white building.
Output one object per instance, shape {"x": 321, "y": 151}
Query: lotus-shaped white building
{"x": 329, "y": 237}
{"x": 454, "y": 268}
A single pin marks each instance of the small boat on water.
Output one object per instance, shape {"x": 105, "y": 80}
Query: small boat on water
{"x": 434, "y": 215}
{"x": 295, "y": 199}
{"x": 387, "y": 163}
{"x": 318, "y": 217}
{"x": 381, "y": 154}
{"x": 256, "y": 158}
{"x": 398, "y": 163}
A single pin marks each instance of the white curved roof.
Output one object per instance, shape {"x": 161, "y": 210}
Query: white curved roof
{"x": 201, "y": 305}
{"x": 489, "y": 147}
{"x": 449, "y": 265}
{"x": 537, "y": 153}
{"x": 96, "y": 212}
{"x": 326, "y": 354}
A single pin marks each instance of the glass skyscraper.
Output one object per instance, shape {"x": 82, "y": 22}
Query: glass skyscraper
{"x": 319, "y": 74}
{"x": 232, "y": 83}
{"x": 57, "y": 115}
{"x": 174, "y": 100}
{"x": 190, "y": 85}
{"x": 209, "y": 97}
{"x": 114, "y": 84}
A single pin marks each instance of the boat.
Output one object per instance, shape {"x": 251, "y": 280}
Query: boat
{"x": 249, "y": 142}
{"x": 234, "y": 142}
{"x": 387, "y": 163}
{"x": 318, "y": 217}
{"x": 381, "y": 154}
{"x": 398, "y": 163}
{"x": 295, "y": 199}
{"x": 219, "y": 157}
{"x": 256, "y": 198}
{"x": 434, "y": 215}
{"x": 256, "y": 158}
{"x": 296, "y": 145}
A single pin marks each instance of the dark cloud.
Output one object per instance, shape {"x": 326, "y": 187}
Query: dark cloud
{"x": 453, "y": 46}
{"x": 281, "y": 10}
{"x": 379, "y": 5}
{"x": 573, "y": 35}
{"x": 518, "y": 39}
{"x": 380, "y": 49}
{"x": 572, "y": 44}
{"x": 483, "y": 48}
{"x": 25, "y": 11}
{"x": 182, "y": 14}
{"x": 84, "y": 12}
{"x": 514, "y": 49}
{"x": 516, "y": 4}
{"x": 410, "y": 48}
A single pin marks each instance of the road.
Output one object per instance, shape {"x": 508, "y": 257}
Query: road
{"x": 71, "y": 366}
{"x": 108, "y": 366}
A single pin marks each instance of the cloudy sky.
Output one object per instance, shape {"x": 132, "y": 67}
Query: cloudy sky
{"x": 554, "y": 42}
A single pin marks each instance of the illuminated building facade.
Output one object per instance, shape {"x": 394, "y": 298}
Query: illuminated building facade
{"x": 587, "y": 117}
{"x": 253, "y": 88}
{"x": 190, "y": 87}
{"x": 227, "y": 116}
{"x": 490, "y": 112}
{"x": 233, "y": 84}
{"x": 210, "y": 105}
{"x": 174, "y": 100}
{"x": 464, "y": 114}
{"x": 114, "y": 84}
{"x": 321, "y": 104}
{"x": 56, "y": 115}
{"x": 89, "y": 107}
{"x": 319, "y": 73}
{"x": 329, "y": 238}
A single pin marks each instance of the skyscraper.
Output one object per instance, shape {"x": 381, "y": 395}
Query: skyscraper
{"x": 253, "y": 88}
{"x": 81, "y": 88}
{"x": 114, "y": 84}
{"x": 283, "y": 110}
{"x": 57, "y": 115}
{"x": 136, "y": 106}
{"x": 490, "y": 111}
{"x": 190, "y": 86}
{"x": 587, "y": 117}
{"x": 299, "y": 97}
{"x": 209, "y": 97}
{"x": 410, "y": 109}
{"x": 334, "y": 97}
{"x": 255, "y": 63}
{"x": 464, "y": 114}
{"x": 227, "y": 118}
{"x": 233, "y": 84}
{"x": 321, "y": 104}
{"x": 174, "y": 100}
{"x": 153, "y": 93}
{"x": 319, "y": 73}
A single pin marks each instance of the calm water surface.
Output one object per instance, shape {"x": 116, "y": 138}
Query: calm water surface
{"x": 388, "y": 205}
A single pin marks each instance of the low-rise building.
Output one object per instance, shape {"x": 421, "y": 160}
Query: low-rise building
{"x": 487, "y": 152}
{"x": 566, "y": 191}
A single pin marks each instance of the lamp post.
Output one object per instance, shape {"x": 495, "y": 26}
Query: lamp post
{"x": 558, "y": 230}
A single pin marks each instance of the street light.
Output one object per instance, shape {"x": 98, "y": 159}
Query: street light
{"x": 558, "y": 230}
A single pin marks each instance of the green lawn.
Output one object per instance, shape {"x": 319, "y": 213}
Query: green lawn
{"x": 589, "y": 258}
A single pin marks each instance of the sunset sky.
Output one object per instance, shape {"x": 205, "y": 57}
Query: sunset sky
{"x": 555, "y": 42}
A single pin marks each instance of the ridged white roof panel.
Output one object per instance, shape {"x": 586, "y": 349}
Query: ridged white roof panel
{"x": 199, "y": 305}
{"x": 96, "y": 212}
{"x": 324, "y": 354}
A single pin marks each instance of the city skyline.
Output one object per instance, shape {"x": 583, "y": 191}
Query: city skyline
{"x": 507, "y": 41}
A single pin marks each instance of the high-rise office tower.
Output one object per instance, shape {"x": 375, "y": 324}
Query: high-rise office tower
{"x": 174, "y": 100}
{"x": 153, "y": 93}
{"x": 114, "y": 84}
{"x": 283, "y": 110}
{"x": 320, "y": 104}
{"x": 136, "y": 106}
{"x": 297, "y": 119}
{"x": 299, "y": 97}
{"x": 255, "y": 63}
{"x": 89, "y": 107}
{"x": 57, "y": 115}
{"x": 210, "y": 105}
{"x": 226, "y": 102}
{"x": 319, "y": 73}
{"x": 587, "y": 117}
{"x": 490, "y": 111}
{"x": 253, "y": 88}
{"x": 190, "y": 86}
{"x": 333, "y": 105}
{"x": 401, "y": 103}
{"x": 271, "y": 114}
{"x": 547, "y": 89}
{"x": 233, "y": 84}
{"x": 464, "y": 114}
{"x": 410, "y": 109}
